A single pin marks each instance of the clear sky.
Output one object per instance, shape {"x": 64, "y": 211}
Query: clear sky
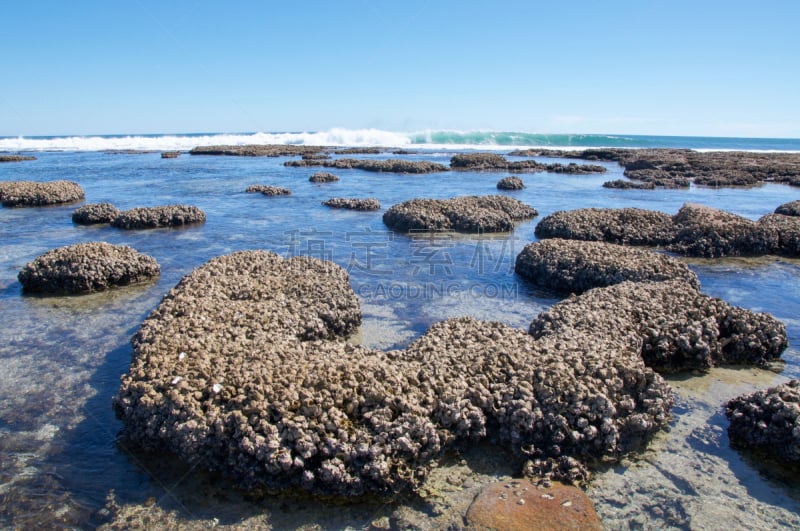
{"x": 722, "y": 68}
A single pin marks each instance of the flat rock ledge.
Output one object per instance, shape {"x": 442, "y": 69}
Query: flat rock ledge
{"x": 95, "y": 213}
{"x": 16, "y": 158}
{"x": 622, "y": 184}
{"x": 510, "y": 183}
{"x": 470, "y": 214}
{"x": 696, "y": 230}
{"x": 364, "y": 205}
{"x": 496, "y": 162}
{"x": 258, "y": 150}
{"x": 323, "y": 177}
{"x": 380, "y": 166}
{"x": 268, "y": 190}
{"x": 87, "y": 267}
{"x": 574, "y": 266}
{"x": 32, "y": 193}
{"x": 768, "y": 422}
{"x": 161, "y": 216}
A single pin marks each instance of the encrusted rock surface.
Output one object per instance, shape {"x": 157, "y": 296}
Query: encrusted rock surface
{"x": 768, "y": 421}
{"x": 161, "y": 216}
{"x": 576, "y": 266}
{"x": 268, "y": 190}
{"x": 368, "y": 204}
{"x": 16, "y": 158}
{"x": 87, "y": 267}
{"x": 323, "y": 177}
{"x": 495, "y": 162}
{"x": 621, "y": 184}
{"x": 523, "y": 506}
{"x": 491, "y": 213}
{"x": 632, "y": 226}
{"x": 389, "y": 165}
{"x": 510, "y": 183}
{"x": 789, "y": 209}
{"x": 95, "y": 213}
{"x": 170, "y": 154}
{"x": 679, "y": 328}
{"x": 787, "y": 230}
{"x": 257, "y": 150}
{"x": 33, "y": 193}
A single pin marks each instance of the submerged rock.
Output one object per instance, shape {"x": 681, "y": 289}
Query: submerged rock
{"x": 510, "y": 183}
{"x": 95, "y": 213}
{"x": 268, "y": 190}
{"x": 162, "y": 216}
{"x": 323, "y": 177}
{"x": 492, "y": 213}
{"x": 631, "y": 226}
{"x": 32, "y": 193}
{"x": 87, "y": 267}
{"x": 576, "y": 266}
{"x": 768, "y": 421}
{"x": 368, "y": 204}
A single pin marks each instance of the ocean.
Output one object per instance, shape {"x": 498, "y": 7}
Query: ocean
{"x": 62, "y": 357}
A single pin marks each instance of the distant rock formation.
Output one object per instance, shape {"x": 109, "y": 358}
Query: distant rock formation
{"x": 368, "y": 204}
{"x": 95, "y": 213}
{"x": 258, "y": 150}
{"x": 16, "y": 158}
{"x": 170, "y": 154}
{"x": 381, "y": 166}
{"x": 621, "y": 184}
{"x": 268, "y": 190}
{"x": 161, "y": 216}
{"x": 492, "y": 213}
{"x": 495, "y": 162}
{"x": 510, "y": 183}
{"x": 32, "y": 193}
{"x": 323, "y": 177}
{"x": 87, "y": 267}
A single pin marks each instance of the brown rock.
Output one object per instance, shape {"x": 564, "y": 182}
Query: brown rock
{"x": 521, "y": 505}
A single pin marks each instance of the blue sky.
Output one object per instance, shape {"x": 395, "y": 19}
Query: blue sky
{"x": 677, "y": 68}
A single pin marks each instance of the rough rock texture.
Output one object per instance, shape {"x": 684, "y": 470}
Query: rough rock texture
{"x": 268, "y": 190}
{"x": 31, "y": 193}
{"x": 575, "y": 266}
{"x": 510, "y": 183}
{"x": 359, "y": 151}
{"x": 269, "y": 150}
{"x": 621, "y": 184}
{"x": 95, "y": 213}
{"x": 679, "y": 328}
{"x": 787, "y": 230}
{"x": 162, "y": 216}
{"x": 170, "y": 154}
{"x": 789, "y": 209}
{"x": 523, "y": 506}
{"x": 323, "y": 177}
{"x": 495, "y": 162}
{"x": 712, "y": 233}
{"x": 632, "y": 226}
{"x": 768, "y": 421}
{"x": 15, "y": 158}
{"x": 368, "y": 204}
{"x": 87, "y": 267}
{"x": 489, "y": 213}
{"x": 389, "y": 165}
{"x": 239, "y": 370}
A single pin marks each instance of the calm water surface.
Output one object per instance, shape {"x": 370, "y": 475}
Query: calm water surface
{"x": 62, "y": 357}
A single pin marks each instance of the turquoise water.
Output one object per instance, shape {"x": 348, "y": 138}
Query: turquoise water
{"x": 62, "y": 356}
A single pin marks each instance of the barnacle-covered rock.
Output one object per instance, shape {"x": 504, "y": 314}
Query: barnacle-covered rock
{"x": 323, "y": 177}
{"x": 489, "y": 213}
{"x": 510, "y": 183}
{"x": 87, "y": 267}
{"x": 630, "y": 226}
{"x": 576, "y": 266}
{"x": 161, "y": 216}
{"x": 268, "y": 190}
{"x": 787, "y": 230}
{"x": 791, "y": 208}
{"x": 349, "y": 203}
{"x": 679, "y": 327}
{"x": 768, "y": 421}
{"x": 95, "y": 213}
{"x": 622, "y": 184}
{"x": 712, "y": 233}
{"x": 33, "y": 193}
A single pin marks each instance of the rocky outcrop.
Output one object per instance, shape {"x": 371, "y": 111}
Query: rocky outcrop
{"x": 789, "y": 209}
{"x": 492, "y": 213}
{"x": 574, "y": 266}
{"x": 621, "y": 184}
{"x": 495, "y": 162}
{"x": 768, "y": 421}
{"x": 510, "y": 183}
{"x": 679, "y": 328}
{"x": 389, "y": 165}
{"x": 628, "y": 226}
{"x": 87, "y": 267}
{"x": 15, "y": 158}
{"x": 170, "y": 154}
{"x": 31, "y": 193}
{"x": 95, "y": 213}
{"x": 787, "y": 231}
{"x": 161, "y": 216}
{"x": 268, "y": 190}
{"x": 323, "y": 177}
{"x": 258, "y": 150}
{"x": 365, "y": 205}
